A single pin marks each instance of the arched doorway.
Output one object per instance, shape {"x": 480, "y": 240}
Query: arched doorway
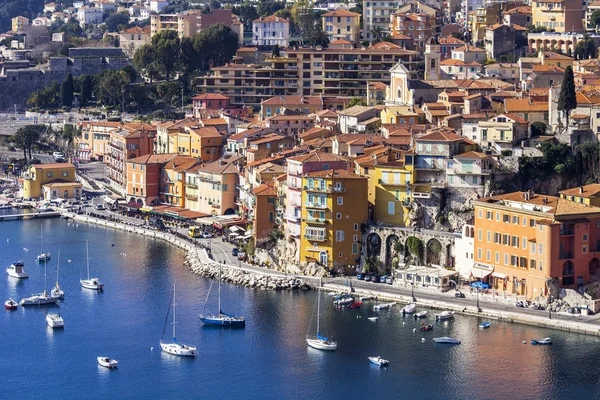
{"x": 433, "y": 252}
{"x": 132, "y": 200}
{"x": 392, "y": 244}
{"x": 140, "y": 202}
{"x": 568, "y": 273}
{"x": 595, "y": 267}
{"x": 229, "y": 211}
{"x": 373, "y": 245}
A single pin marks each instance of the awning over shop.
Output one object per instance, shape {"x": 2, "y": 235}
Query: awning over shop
{"x": 480, "y": 272}
{"x": 174, "y": 212}
{"x": 499, "y": 275}
{"x": 146, "y": 209}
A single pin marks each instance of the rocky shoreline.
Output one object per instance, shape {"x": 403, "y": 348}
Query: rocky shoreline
{"x": 241, "y": 277}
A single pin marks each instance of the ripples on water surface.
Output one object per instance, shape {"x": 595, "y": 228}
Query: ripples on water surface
{"x": 268, "y": 359}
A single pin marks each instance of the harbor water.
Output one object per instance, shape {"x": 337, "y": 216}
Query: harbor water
{"x": 269, "y": 359}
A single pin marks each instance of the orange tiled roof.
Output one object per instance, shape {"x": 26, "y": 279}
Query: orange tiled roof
{"x": 271, "y": 18}
{"x": 340, "y": 13}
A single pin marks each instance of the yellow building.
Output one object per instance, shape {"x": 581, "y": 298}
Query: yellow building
{"x": 50, "y": 181}
{"x": 184, "y": 24}
{"x": 334, "y": 205}
{"x": 196, "y": 141}
{"x": 588, "y": 195}
{"x": 560, "y": 15}
{"x": 18, "y": 23}
{"x": 399, "y": 115}
{"x": 173, "y": 180}
{"x": 342, "y": 25}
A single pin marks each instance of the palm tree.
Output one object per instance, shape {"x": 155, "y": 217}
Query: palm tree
{"x": 377, "y": 32}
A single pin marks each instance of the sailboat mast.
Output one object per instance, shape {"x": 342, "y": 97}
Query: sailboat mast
{"x": 57, "y": 268}
{"x": 318, "y": 311}
{"x": 220, "y": 267}
{"x": 87, "y": 257}
{"x": 45, "y": 283}
{"x": 174, "y": 304}
{"x": 41, "y": 240}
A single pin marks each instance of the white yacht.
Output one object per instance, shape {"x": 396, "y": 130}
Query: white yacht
{"x": 107, "y": 362}
{"x": 317, "y": 341}
{"x": 16, "y": 270}
{"x": 409, "y": 309}
{"x": 44, "y": 255}
{"x": 173, "y": 346}
{"x": 55, "y": 321}
{"x": 90, "y": 283}
{"x": 445, "y": 315}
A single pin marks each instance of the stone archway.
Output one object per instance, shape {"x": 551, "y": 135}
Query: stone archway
{"x": 229, "y": 211}
{"x": 391, "y": 244}
{"x": 595, "y": 268}
{"x": 373, "y": 245}
{"x": 433, "y": 252}
{"x": 140, "y": 202}
{"x": 132, "y": 200}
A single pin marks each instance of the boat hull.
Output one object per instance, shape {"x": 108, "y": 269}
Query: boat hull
{"x": 446, "y": 340}
{"x": 10, "y": 305}
{"x": 19, "y": 275}
{"x": 542, "y": 342}
{"x": 223, "y": 321}
{"x": 55, "y": 322}
{"x": 321, "y": 344}
{"x": 485, "y": 325}
{"x": 107, "y": 362}
{"x": 178, "y": 349}
{"x": 383, "y": 306}
{"x": 37, "y": 301}
{"x": 421, "y": 314}
{"x": 92, "y": 284}
{"x": 379, "y": 361}
{"x": 409, "y": 309}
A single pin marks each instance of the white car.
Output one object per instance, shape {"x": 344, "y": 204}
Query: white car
{"x": 57, "y": 155}
{"x": 100, "y": 207}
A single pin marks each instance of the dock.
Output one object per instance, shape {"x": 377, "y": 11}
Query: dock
{"x": 11, "y": 217}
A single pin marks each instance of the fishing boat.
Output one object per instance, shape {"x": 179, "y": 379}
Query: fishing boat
{"x": 373, "y": 319}
{"x": 44, "y": 255}
{"x": 55, "y": 321}
{"x": 421, "y": 314}
{"x": 409, "y": 309}
{"x": 446, "y": 340}
{"x": 317, "y": 341}
{"x": 445, "y": 315}
{"x": 10, "y": 304}
{"x": 485, "y": 325}
{"x": 39, "y": 299}
{"x": 379, "y": 361}
{"x": 426, "y": 328}
{"x": 344, "y": 300}
{"x": 383, "y": 306}
{"x": 107, "y": 362}
{"x": 16, "y": 270}
{"x": 356, "y": 304}
{"x": 221, "y": 319}
{"x": 542, "y": 341}
{"x": 57, "y": 292}
{"x": 173, "y": 346}
{"x": 90, "y": 283}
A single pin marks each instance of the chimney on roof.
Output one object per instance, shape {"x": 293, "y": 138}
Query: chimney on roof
{"x": 545, "y": 200}
{"x": 580, "y": 189}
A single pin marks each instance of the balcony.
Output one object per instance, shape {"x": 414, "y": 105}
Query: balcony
{"x": 317, "y": 221}
{"x": 565, "y": 255}
{"x": 191, "y": 185}
{"x": 394, "y": 183}
{"x": 567, "y": 231}
{"x": 327, "y": 189}
{"x": 315, "y": 238}
{"x": 316, "y": 205}
{"x": 191, "y": 197}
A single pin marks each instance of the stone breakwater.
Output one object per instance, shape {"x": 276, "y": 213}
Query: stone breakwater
{"x": 241, "y": 277}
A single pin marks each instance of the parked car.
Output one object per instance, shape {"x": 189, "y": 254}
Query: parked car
{"x": 100, "y": 207}
{"x": 235, "y": 252}
{"x": 241, "y": 256}
{"x": 368, "y": 277}
{"x": 375, "y": 279}
{"x": 57, "y": 155}
{"x": 389, "y": 280}
{"x": 360, "y": 277}
{"x": 383, "y": 278}
{"x": 206, "y": 235}
{"x": 480, "y": 285}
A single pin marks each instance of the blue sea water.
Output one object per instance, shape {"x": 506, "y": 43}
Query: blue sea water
{"x": 268, "y": 359}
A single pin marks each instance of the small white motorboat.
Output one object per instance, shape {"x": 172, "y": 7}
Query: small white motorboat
{"x": 16, "y": 270}
{"x": 373, "y": 318}
{"x": 383, "y": 306}
{"x": 542, "y": 341}
{"x": 447, "y": 340}
{"x": 107, "y": 362}
{"x": 409, "y": 309}
{"x": 485, "y": 325}
{"x": 379, "y": 361}
{"x": 421, "y": 314}
{"x": 55, "y": 321}
{"x": 445, "y": 315}
{"x": 10, "y": 304}
{"x": 44, "y": 256}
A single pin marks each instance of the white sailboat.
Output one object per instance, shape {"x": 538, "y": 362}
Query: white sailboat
{"x": 173, "y": 346}
{"x": 57, "y": 292}
{"x": 39, "y": 299}
{"x": 44, "y": 255}
{"x": 90, "y": 283}
{"x": 317, "y": 341}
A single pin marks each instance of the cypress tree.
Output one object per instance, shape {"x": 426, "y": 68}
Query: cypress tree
{"x": 567, "y": 100}
{"x": 66, "y": 91}
{"x": 86, "y": 90}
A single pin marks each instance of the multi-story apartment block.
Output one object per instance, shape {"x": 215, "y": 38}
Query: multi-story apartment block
{"x": 133, "y": 38}
{"x": 518, "y": 16}
{"x": 419, "y": 26}
{"x": 188, "y": 23}
{"x": 376, "y": 16}
{"x": 526, "y": 241}
{"x": 173, "y": 180}
{"x": 264, "y": 202}
{"x": 505, "y": 130}
{"x": 126, "y": 142}
{"x": 203, "y": 143}
{"x": 92, "y": 144}
{"x": 144, "y": 178}
{"x": 271, "y": 31}
{"x": 589, "y": 10}
{"x": 331, "y": 72}
{"x": 560, "y": 15}
{"x": 297, "y": 166}
{"x": 342, "y": 25}
{"x": 334, "y": 205}
{"x": 90, "y": 15}
{"x": 277, "y": 105}
{"x": 19, "y": 23}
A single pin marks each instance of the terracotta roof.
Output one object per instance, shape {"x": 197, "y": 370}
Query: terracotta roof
{"x": 355, "y": 111}
{"x": 472, "y": 154}
{"x": 293, "y": 100}
{"x": 315, "y": 130}
{"x": 209, "y": 131}
{"x": 271, "y": 18}
{"x": 340, "y": 13}
{"x": 440, "y": 137}
{"x": 291, "y": 118}
{"x": 327, "y": 114}
{"x": 401, "y": 37}
{"x": 53, "y": 165}
{"x": 548, "y": 68}
{"x": 377, "y": 85}
{"x": 516, "y": 118}
{"x": 518, "y": 27}
{"x": 335, "y": 174}
{"x": 340, "y": 41}
{"x": 525, "y": 105}
{"x": 268, "y": 139}
{"x": 210, "y": 122}
{"x": 586, "y": 191}
{"x": 384, "y": 46}
{"x": 266, "y": 189}
{"x": 137, "y": 29}
{"x": 222, "y": 166}
{"x": 210, "y": 96}
{"x": 519, "y": 10}
{"x": 452, "y": 62}
{"x": 469, "y": 48}
{"x": 555, "y": 56}
{"x": 152, "y": 159}
{"x": 569, "y": 208}
{"x": 496, "y": 26}
{"x": 181, "y": 163}
{"x": 317, "y": 156}
{"x": 584, "y": 98}
{"x": 449, "y": 39}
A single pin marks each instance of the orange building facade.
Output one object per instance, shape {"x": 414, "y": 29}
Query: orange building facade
{"x": 144, "y": 178}
{"x": 263, "y": 219}
{"x": 526, "y": 242}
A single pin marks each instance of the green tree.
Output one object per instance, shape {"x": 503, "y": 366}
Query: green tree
{"x": 215, "y": 45}
{"x": 66, "y": 91}
{"x": 166, "y": 47}
{"x": 169, "y": 94}
{"x": 304, "y": 19}
{"x": 47, "y": 97}
{"x": 116, "y": 21}
{"x": 68, "y": 135}
{"x": 538, "y": 129}
{"x": 567, "y": 99}
{"x": 86, "y": 90}
{"x": 269, "y": 7}
{"x": 377, "y": 33}
{"x": 319, "y": 38}
{"x": 26, "y": 137}
{"x": 595, "y": 19}
{"x": 586, "y": 48}
{"x": 130, "y": 71}
{"x": 415, "y": 248}
{"x": 144, "y": 59}
{"x": 113, "y": 87}
{"x": 356, "y": 101}
{"x": 275, "y": 52}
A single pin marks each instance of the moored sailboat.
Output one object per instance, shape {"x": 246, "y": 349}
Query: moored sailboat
{"x": 57, "y": 292}
{"x": 221, "y": 319}
{"x": 317, "y": 341}
{"x": 173, "y": 346}
{"x": 44, "y": 255}
{"x": 90, "y": 283}
{"x": 39, "y": 299}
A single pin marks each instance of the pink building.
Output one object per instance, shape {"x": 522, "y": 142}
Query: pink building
{"x": 217, "y": 102}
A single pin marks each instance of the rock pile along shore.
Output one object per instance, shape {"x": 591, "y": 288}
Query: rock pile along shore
{"x": 244, "y": 278}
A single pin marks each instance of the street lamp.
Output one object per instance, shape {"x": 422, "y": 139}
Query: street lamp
{"x": 478, "y": 308}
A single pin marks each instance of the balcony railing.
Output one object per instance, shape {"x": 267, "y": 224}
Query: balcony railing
{"x": 318, "y": 221}
{"x": 393, "y": 183}
{"x": 314, "y": 237}
{"x": 326, "y": 189}
{"x": 565, "y": 255}
{"x": 316, "y": 205}
{"x": 191, "y": 185}
{"x": 191, "y": 197}
{"x": 567, "y": 231}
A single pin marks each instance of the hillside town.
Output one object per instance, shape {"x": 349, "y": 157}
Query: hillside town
{"x": 430, "y": 141}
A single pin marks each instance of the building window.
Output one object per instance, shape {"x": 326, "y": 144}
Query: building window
{"x": 514, "y": 261}
{"x": 49, "y": 174}
{"x": 505, "y": 259}
{"x": 497, "y": 238}
{"x": 540, "y": 249}
{"x": 585, "y": 237}
{"x": 498, "y": 217}
{"x": 480, "y": 214}
{"x": 355, "y": 238}
{"x": 524, "y": 221}
{"x": 584, "y": 249}
{"x": 65, "y": 174}
{"x": 488, "y": 255}
{"x": 532, "y": 223}
{"x": 525, "y": 243}
{"x": 339, "y": 236}
{"x": 355, "y": 227}
{"x": 489, "y": 215}
{"x": 354, "y": 248}
{"x": 479, "y": 234}
{"x": 489, "y": 236}
{"x": 479, "y": 254}
{"x": 391, "y": 206}
{"x": 532, "y": 264}
{"x": 271, "y": 218}
{"x": 340, "y": 201}
{"x": 497, "y": 257}
{"x": 515, "y": 220}
{"x": 338, "y": 216}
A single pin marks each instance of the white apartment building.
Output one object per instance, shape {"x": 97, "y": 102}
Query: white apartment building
{"x": 157, "y": 5}
{"x": 271, "y": 31}
{"x": 377, "y": 14}
{"x": 90, "y": 15}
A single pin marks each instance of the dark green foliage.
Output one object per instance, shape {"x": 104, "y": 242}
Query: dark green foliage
{"x": 415, "y": 247}
{"x": 269, "y": 7}
{"x": 538, "y": 129}
{"x": 26, "y": 137}
{"x": 66, "y": 91}
{"x": 275, "y": 52}
{"x": 586, "y": 48}
{"x": 86, "y": 90}
{"x": 130, "y": 71}
{"x": 319, "y": 38}
{"x": 47, "y": 97}
{"x": 356, "y": 101}
{"x": 567, "y": 100}
{"x": 595, "y": 19}
{"x": 117, "y": 21}
{"x": 12, "y": 8}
